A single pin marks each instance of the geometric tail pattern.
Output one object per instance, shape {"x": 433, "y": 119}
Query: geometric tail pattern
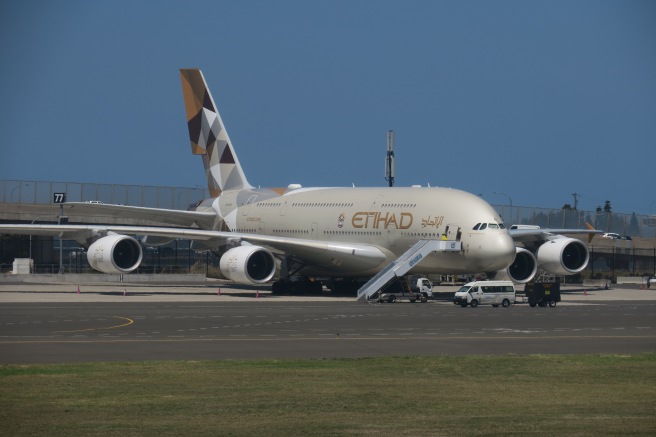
{"x": 209, "y": 137}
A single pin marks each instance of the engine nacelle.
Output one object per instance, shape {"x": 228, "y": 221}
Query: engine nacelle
{"x": 563, "y": 256}
{"x": 248, "y": 265}
{"x": 521, "y": 271}
{"x": 115, "y": 254}
{"x": 523, "y": 268}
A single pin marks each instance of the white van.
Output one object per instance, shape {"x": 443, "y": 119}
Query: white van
{"x": 493, "y": 293}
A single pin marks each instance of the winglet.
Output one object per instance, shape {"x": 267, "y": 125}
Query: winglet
{"x": 589, "y": 227}
{"x": 209, "y": 137}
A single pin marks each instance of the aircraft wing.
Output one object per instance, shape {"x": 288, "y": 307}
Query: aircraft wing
{"x": 82, "y": 232}
{"x": 173, "y": 217}
{"x": 339, "y": 255}
{"x": 538, "y": 236}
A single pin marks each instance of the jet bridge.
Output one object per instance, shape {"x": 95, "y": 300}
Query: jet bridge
{"x": 404, "y": 263}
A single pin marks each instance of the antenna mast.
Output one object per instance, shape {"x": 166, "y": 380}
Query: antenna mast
{"x": 389, "y": 159}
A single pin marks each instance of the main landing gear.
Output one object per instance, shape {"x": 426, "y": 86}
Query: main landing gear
{"x": 296, "y": 287}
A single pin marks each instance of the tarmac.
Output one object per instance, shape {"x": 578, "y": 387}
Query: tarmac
{"x": 57, "y": 323}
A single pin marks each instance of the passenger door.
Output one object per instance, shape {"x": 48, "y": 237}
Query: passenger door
{"x": 483, "y": 295}
{"x": 453, "y": 232}
{"x": 477, "y": 294}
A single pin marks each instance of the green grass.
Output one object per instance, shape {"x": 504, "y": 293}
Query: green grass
{"x": 508, "y": 395}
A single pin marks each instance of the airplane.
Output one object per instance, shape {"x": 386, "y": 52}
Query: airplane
{"x": 306, "y": 237}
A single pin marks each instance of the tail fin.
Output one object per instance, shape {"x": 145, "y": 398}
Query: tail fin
{"x": 209, "y": 137}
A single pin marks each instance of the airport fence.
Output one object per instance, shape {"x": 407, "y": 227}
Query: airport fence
{"x": 634, "y": 225}
{"x": 609, "y": 264}
{"x": 39, "y": 192}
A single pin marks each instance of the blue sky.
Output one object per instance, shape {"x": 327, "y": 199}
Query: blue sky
{"x": 536, "y": 100}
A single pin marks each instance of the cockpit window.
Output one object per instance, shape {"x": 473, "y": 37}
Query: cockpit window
{"x": 481, "y": 226}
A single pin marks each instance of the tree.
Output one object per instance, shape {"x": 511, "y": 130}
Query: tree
{"x": 607, "y": 207}
{"x": 567, "y": 207}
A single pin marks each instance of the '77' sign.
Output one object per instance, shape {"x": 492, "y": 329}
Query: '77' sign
{"x": 59, "y": 197}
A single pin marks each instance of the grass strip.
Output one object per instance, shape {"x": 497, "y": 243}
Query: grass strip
{"x": 400, "y": 396}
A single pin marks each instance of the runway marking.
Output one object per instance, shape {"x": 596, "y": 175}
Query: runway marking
{"x": 242, "y": 337}
{"x": 130, "y": 321}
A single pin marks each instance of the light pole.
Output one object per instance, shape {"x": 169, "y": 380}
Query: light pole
{"x": 31, "y": 242}
{"x": 511, "y": 207}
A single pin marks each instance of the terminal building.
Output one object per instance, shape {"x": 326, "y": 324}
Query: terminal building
{"x": 633, "y": 254}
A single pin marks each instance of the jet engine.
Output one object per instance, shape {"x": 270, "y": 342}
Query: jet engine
{"x": 563, "y": 256}
{"x": 560, "y": 256}
{"x": 248, "y": 265}
{"x": 115, "y": 254}
{"x": 523, "y": 268}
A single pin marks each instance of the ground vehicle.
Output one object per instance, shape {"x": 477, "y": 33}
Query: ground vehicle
{"x": 493, "y": 293}
{"x": 542, "y": 294}
{"x": 419, "y": 289}
{"x": 612, "y": 236}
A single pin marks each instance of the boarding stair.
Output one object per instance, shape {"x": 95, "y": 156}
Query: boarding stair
{"x": 404, "y": 263}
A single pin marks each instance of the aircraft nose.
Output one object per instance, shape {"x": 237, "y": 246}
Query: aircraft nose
{"x": 499, "y": 250}
{"x": 507, "y": 250}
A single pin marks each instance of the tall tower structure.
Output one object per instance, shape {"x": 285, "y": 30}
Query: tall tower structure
{"x": 389, "y": 159}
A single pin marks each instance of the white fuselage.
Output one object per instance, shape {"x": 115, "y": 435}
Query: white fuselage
{"x": 391, "y": 219}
